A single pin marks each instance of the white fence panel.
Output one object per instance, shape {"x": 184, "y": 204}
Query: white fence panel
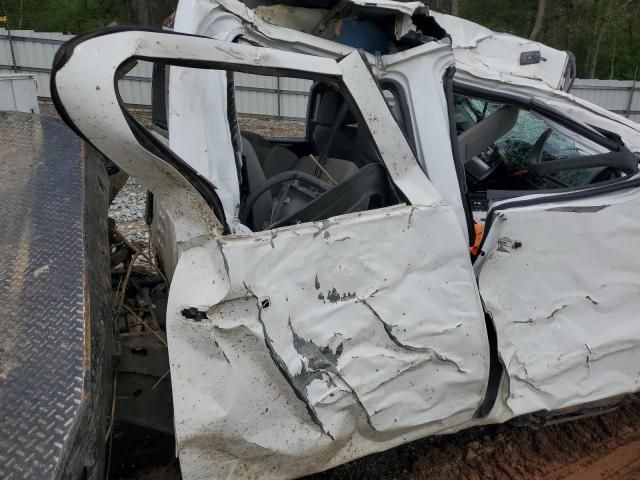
{"x": 18, "y": 93}
{"x": 619, "y": 96}
{"x": 26, "y": 51}
{"x": 264, "y": 95}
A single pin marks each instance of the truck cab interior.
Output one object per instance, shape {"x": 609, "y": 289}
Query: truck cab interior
{"x": 336, "y": 169}
{"x": 509, "y": 150}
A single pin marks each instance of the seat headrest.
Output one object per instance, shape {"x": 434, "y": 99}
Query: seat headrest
{"x": 327, "y": 109}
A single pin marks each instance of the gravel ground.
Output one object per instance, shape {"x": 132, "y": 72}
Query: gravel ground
{"x": 128, "y": 208}
{"x": 266, "y": 127}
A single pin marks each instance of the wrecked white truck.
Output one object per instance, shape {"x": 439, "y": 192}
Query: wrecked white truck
{"x": 449, "y": 243}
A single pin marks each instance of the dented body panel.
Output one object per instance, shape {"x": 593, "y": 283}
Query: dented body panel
{"x": 482, "y": 52}
{"x": 299, "y": 348}
{"x": 310, "y": 368}
{"x": 562, "y": 288}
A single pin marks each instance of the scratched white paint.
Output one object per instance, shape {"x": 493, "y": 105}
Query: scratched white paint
{"x": 92, "y": 104}
{"x": 327, "y": 341}
{"x": 563, "y": 287}
{"x": 373, "y": 319}
{"x": 485, "y": 53}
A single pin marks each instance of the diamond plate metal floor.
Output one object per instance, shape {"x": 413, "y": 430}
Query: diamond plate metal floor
{"x": 46, "y": 325}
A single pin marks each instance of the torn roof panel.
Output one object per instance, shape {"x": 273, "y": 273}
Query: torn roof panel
{"x": 386, "y": 26}
{"x": 485, "y": 53}
{"x": 378, "y": 27}
{"x": 407, "y": 8}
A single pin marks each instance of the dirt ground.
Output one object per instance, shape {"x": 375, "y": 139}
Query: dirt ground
{"x": 603, "y": 447}
{"x": 600, "y": 447}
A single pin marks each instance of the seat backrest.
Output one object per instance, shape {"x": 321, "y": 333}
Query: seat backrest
{"x": 342, "y": 146}
{"x": 273, "y": 158}
{"x": 261, "y": 211}
{"x": 322, "y": 123}
{"x": 333, "y": 170}
{"x": 353, "y": 194}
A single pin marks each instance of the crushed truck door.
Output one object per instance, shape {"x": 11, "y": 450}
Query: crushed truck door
{"x": 297, "y": 348}
{"x": 560, "y": 276}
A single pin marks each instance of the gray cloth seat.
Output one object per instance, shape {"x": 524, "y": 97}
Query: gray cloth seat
{"x": 261, "y": 210}
{"x": 273, "y": 158}
{"x": 322, "y": 123}
{"x": 276, "y": 159}
{"x": 334, "y": 171}
{"x": 338, "y": 169}
{"x": 343, "y": 145}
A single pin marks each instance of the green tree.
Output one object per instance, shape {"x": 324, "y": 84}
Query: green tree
{"x": 78, "y": 16}
{"x": 603, "y": 34}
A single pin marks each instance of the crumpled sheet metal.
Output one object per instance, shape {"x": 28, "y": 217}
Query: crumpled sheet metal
{"x": 331, "y": 342}
{"x": 485, "y": 53}
{"x": 563, "y": 287}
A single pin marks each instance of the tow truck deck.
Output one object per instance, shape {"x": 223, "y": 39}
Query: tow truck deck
{"x": 54, "y": 301}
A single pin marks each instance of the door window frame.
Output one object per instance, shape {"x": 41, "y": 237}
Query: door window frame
{"x": 608, "y": 140}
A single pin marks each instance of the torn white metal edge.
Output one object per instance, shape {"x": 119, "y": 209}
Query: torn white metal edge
{"x": 478, "y": 50}
{"x": 91, "y": 102}
{"x": 485, "y": 53}
{"x": 212, "y": 17}
{"x": 324, "y": 342}
{"x": 97, "y": 113}
{"x": 263, "y": 32}
{"x": 429, "y": 114}
{"x": 490, "y": 66}
{"x": 392, "y": 144}
{"x": 406, "y": 8}
{"x": 565, "y": 304}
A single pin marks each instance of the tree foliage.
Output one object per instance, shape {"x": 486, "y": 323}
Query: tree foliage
{"x": 604, "y": 35}
{"x": 79, "y": 16}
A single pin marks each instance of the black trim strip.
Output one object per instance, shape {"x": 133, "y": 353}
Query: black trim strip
{"x": 624, "y": 161}
{"x": 448, "y": 82}
{"x": 496, "y": 368}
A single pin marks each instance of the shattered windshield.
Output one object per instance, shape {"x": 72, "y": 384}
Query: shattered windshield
{"x": 507, "y": 148}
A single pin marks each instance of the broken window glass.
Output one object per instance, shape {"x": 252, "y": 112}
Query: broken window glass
{"x": 505, "y": 147}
